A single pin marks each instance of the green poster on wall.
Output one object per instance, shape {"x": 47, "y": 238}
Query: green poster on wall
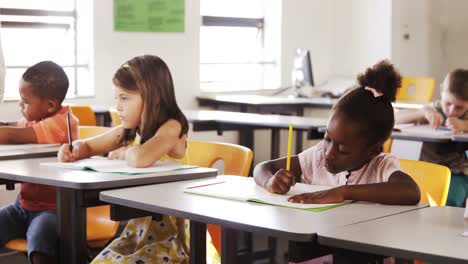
{"x": 149, "y": 15}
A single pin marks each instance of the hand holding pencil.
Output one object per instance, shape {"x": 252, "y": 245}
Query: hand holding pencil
{"x": 69, "y": 152}
{"x": 283, "y": 179}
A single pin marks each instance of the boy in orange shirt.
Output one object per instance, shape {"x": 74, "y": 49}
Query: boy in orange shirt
{"x": 42, "y": 89}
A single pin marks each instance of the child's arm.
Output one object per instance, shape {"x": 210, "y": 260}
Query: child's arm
{"x": 163, "y": 142}
{"x": 457, "y": 125}
{"x": 17, "y": 135}
{"x": 399, "y": 190}
{"x": 272, "y": 176}
{"x": 90, "y": 147}
{"x": 410, "y": 116}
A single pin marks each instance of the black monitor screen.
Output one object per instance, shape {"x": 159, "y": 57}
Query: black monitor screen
{"x": 302, "y": 69}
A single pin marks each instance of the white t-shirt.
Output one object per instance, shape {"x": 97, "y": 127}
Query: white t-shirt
{"x": 313, "y": 168}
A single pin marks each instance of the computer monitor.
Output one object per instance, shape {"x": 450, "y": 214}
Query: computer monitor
{"x": 302, "y": 69}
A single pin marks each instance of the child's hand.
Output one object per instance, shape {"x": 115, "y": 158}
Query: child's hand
{"x": 434, "y": 118}
{"x": 335, "y": 195}
{"x": 457, "y": 125}
{"x": 281, "y": 182}
{"x": 65, "y": 155}
{"x": 118, "y": 154}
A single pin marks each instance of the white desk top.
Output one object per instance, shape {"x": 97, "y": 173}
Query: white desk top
{"x": 293, "y": 224}
{"x": 30, "y": 170}
{"x": 460, "y": 137}
{"x": 9, "y": 152}
{"x": 259, "y": 100}
{"x": 430, "y": 234}
{"x": 258, "y": 120}
{"x": 422, "y": 137}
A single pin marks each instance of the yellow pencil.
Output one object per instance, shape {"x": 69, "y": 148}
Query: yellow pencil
{"x": 290, "y": 136}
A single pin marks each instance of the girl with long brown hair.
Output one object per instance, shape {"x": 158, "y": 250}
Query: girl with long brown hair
{"x": 153, "y": 128}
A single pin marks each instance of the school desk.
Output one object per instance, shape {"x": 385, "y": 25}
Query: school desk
{"x": 431, "y": 234}
{"x": 292, "y": 224}
{"x": 460, "y": 137}
{"x": 27, "y": 151}
{"x": 211, "y": 120}
{"x": 409, "y": 145}
{"x": 260, "y": 103}
{"x": 78, "y": 189}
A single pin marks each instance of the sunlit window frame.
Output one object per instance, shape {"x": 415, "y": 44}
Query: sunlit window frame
{"x": 8, "y": 23}
{"x": 220, "y": 21}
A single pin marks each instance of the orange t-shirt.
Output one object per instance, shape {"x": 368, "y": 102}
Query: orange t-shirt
{"x": 52, "y": 130}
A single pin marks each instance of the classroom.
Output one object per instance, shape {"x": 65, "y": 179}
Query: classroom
{"x": 233, "y": 131}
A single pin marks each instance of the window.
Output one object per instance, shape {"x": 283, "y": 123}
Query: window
{"x": 235, "y": 51}
{"x": 55, "y": 30}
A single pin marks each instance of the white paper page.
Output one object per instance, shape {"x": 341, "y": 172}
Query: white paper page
{"x": 117, "y": 166}
{"x": 245, "y": 188}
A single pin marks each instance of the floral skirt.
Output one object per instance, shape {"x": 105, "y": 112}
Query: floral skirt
{"x": 145, "y": 240}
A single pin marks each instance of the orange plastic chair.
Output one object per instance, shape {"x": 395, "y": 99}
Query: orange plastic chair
{"x": 433, "y": 180}
{"x": 115, "y": 117}
{"x": 85, "y": 114}
{"x": 416, "y": 89}
{"x": 237, "y": 160}
{"x": 100, "y": 229}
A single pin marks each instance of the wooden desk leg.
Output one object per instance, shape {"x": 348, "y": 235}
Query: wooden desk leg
{"x": 228, "y": 246}
{"x": 197, "y": 242}
{"x": 275, "y": 143}
{"x": 71, "y": 226}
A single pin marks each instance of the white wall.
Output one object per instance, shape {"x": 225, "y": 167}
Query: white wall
{"x": 307, "y": 24}
{"x": 361, "y": 35}
{"x": 438, "y": 37}
{"x": 411, "y": 54}
{"x": 179, "y": 50}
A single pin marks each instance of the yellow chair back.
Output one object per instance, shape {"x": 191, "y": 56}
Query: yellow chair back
{"x": 433, "y": 180}
{"x": 416, "y": 89}
{"x": 100, "y": 228}
{"x": 91, "y": 131}
{"x": 85, "y": 114}
{"x": 237, "y": 159}
{"x": 115, "y": 117}
{"x": 387, "y": 146}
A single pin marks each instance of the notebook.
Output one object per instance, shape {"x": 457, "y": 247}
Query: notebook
{"x": 100, "y": 164}
{"x": 245, "y": 189}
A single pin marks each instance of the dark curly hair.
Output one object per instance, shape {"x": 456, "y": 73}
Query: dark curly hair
{"x": 48, "y": 80}
{"x": 374, "y": 114}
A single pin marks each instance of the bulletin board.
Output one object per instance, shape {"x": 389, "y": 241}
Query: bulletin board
{"x": 149, "y": 15}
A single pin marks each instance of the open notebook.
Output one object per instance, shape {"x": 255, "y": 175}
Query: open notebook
{"x": 245, "y": 189}
{"x": 100, "y": 164}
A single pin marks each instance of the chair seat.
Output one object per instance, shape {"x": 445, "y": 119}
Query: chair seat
{"x": 100, "y": 229}
{"x": 19, "y": 244}
{"x": 99, "y": 225}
